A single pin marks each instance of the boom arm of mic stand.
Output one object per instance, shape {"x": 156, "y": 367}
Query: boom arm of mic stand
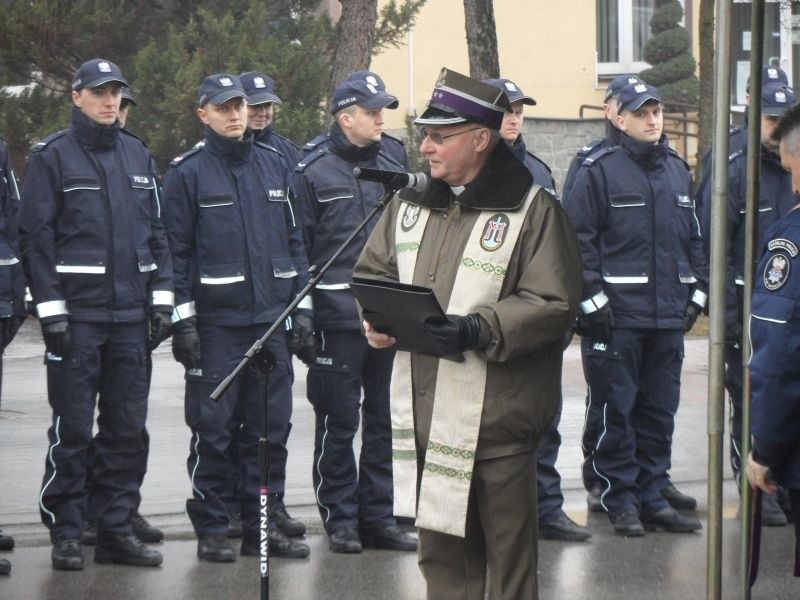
{"x": 316, "y": 276}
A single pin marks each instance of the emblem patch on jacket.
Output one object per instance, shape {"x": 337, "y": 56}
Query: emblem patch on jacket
{"x": 776, "y": 273}
{"x": 410, "y": 217}
{"x": 494, "y": 232}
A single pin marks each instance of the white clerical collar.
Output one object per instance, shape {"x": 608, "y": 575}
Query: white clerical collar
{"x": 457, "y": 189}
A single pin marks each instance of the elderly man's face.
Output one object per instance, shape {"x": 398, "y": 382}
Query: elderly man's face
{"x": 453, "y": 151}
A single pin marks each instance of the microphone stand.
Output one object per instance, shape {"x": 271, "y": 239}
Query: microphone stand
{"x": 260, "y": 359}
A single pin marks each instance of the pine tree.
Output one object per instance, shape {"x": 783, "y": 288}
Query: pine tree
{"x": 669, "y": 53}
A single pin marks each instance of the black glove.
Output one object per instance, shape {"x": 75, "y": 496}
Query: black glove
{"x": 566, "y": 340}
{"x": 56, "y": 337}
{"x": 455, "y": 335}
{"x": 690, "y": 315}
{"x": 600, "y": 323}
{"x": 9, "y": 327}
{"x": 160, "y": 328}
{"x": 301, "y": 338}
{"x": 186, "y": 343}
{"x": 733, "y": 333}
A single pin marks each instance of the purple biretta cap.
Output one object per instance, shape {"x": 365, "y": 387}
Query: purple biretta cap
{"x": 458, "y": 99}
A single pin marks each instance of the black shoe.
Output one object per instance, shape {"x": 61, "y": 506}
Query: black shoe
{"x": 388, "y": 538}
{"x": 288, "y": 525}
{"x": 6, "y": 541}
{"x": 677, "y": 499}
{"x": 564, "y": 529}
{"x": 344, "y": 540}
{"x": 593, "y": 500}
{"x": 279, "y": 545}
{"x": 143, "y": 530}
{"x": 125, "y": 550}
{"x": 89, "y": 533}
{"x": 772, "y": 514}
{"x": 215, "y": 548}
{"x": 67, "y": 555}
{"x": 628, "y": 524}
{"x": 234, "y": 524}
{"x": 670, "y": 520}
{"x": 5, "y": 566}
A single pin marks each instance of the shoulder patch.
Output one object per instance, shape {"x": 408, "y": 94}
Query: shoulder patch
{"x": 594, "y": 157}
{"x": 42, "y": 144}
{"x": 309, "y": 158}
{"x": 737, "y": 154}
{"x": 590, "y": 147}
{"x": 783, "y": 244}
{"x": 311, "y": 144}
{"x": 192, "y": 151}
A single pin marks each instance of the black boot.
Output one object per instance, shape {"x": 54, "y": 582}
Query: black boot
{"x": 143, "y": 530}
{"x": 677, "y": 499}
{"x": 235, "y": 524}
{"x": 628, "y": 524}
{"x": 215, "y": 548}
{"x": 5, "y": 566}
{"x": 6, "y": 541}
{"x": 344, "y": 540}
{"x": 593, "y": 500}
{"x": 279, "y": 545}
{"x": 125, "y": 550}
{"x": 388, "y": 538}
{"x": 562, "y": 528}
{"x": 89, "y": 533}
{"x": 670, "y": 520}
{"x": 67, "y": 555}
{"x": 288, "y": 525}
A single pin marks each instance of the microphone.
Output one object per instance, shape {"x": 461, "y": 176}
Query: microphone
{"x": 393, "y": 179}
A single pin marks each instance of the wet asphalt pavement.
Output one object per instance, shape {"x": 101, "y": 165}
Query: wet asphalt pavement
{"x": 607, "y": 567}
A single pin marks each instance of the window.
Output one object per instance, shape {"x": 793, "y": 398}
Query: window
{"x": 623, "y": 27}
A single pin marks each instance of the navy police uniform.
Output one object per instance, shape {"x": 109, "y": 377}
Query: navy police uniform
{"x": 774, "y": 372}
{"x": 332, "y": 204}
{"x": 633, "y": 212}
{"x": 239, "y": 261}
{"x": 95, "y": 255}
{"x": 12, "y": 281}
{"x": 776, "y": 198}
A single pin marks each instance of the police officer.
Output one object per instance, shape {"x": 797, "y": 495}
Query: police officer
{"x": 554, "y": 523}
{"x": 775, "y": 200}
{"x": 389, "y": 145}
{"x": 96, "y": 259}
{"x": 261, "y": 101}
{"x": 141, "y": 527}
{"x": 239, "y": 260}
{"x": 12, "y": 284}
{"x": 774, "y": 331}
{"x": 355, "y": 502}
{"x": 644, "y": 278}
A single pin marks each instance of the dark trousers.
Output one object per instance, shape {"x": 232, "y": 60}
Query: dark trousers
{"x": 350, "y": 495}
{"x": 501, "y": 535}
{"x": 548, "y": 480}
{"x": 213, "y": 423}
{"x": 734, "y": 374}
{"x": 634, "y": 384}
{"x": 108, "y": 364}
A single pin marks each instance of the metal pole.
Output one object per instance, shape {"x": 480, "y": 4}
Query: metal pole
{"x": 751, "y": 244}
{"x": 717, "y": 264}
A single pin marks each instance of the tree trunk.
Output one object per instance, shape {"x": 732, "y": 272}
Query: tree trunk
{"x": 356, "y": 30}
{"x": 484, "y": 61}
{"x": 706, "y": 29}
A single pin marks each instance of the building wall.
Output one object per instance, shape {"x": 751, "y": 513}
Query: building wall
{"x": 546, "y": 47}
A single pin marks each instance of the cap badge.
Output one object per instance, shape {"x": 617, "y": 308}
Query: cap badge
{"x": 371, "y": 88}
{"x": 639, "y": 88}
{"x": 225, "y": 81}
{"x": 511, "y": 87}
{"x": 772, "y": 73}
{"x": 259, "y": 82}
{"x": 104, "y": 67}
{"x": 780, "y": 97}
{"x": 371, "y": 80}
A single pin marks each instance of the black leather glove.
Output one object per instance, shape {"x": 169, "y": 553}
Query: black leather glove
{"x": 600, "y": 323}
{"x": 690, "y": 315}
{"x": 9, "y": 327}
{"x": 56, "y": 337}
{"x": 733, "y": 333}
{"x": 160, "y": 328}
{"x": 186, "y": 343}
{"x": 301, "y": 337}
{"x": 455, "y": 335}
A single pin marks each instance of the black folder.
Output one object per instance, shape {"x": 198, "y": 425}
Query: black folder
{"x": 398, "y": 309}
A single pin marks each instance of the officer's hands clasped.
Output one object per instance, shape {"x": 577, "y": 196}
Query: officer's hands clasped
{"x": 186, "y": 343}
{"x": 56, "y": 337}
{"x": 160, "y": 329}
{"x": 454, "y": 336}
{"x": 599, "y": 324}
{"x": 301, "y": 337}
